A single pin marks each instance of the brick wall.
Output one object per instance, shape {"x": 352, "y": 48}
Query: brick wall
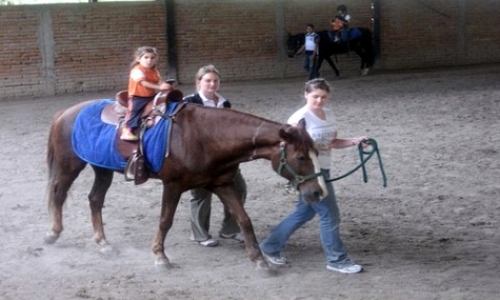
{"x": 422, "y": 33}
{"x": 57, "y": 49}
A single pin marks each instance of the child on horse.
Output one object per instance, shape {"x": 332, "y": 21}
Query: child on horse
{"x": 340, "y": 25}
{"x": 143, "y": 84}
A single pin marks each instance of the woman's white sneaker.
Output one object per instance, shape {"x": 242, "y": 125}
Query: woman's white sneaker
{"x": 345, "y": 267}
{"x": 275, "y": 259}
{"x": 209, "y": 243}
{"x": 236, "y": 236}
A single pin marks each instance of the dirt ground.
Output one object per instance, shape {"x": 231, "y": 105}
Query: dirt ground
{"x": 431, "y": 234}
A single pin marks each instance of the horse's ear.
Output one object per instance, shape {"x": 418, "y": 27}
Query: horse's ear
{"x": 174, "y": 96}
{"x": 285, "y": 133}
{"x": 302, "y": 123}
{"x": 289, "y": 133}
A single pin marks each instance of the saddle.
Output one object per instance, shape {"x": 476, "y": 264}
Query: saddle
{"x": 115, "y": 114}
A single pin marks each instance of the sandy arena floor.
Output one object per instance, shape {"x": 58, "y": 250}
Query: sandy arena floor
{"x": 431, "y": 234}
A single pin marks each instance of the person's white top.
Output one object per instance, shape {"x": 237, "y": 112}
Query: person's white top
{"x": 211, "y": 102}
{"x": 321, "y": 131}
{"x": 311, "y": 41}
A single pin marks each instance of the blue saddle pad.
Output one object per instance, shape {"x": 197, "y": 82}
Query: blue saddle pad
{"x": 354, "y": 33}
{"x": 94, "y": 141}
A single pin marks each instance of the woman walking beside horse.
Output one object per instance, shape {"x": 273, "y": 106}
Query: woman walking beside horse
{"x": 325, "y": 135}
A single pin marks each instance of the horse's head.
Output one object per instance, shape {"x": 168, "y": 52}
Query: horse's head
{"x": 298, "y": 162}
{"x": 293, "y": 44}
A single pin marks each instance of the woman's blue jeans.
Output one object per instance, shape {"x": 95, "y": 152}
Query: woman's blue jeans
{"x": 329, "y": 220}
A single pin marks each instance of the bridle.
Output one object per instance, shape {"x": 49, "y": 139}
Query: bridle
{"x": 297, "y": 179}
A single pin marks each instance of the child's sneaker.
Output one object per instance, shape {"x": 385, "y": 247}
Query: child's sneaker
{"x": 127, "y": 135}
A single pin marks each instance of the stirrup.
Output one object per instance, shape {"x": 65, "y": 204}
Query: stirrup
{"x": 135, "y": 169}
{"x": 129, "y": 171}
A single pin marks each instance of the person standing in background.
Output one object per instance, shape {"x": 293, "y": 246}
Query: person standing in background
{"x": 310, "y": 49}
{"x": 207, "y": 85}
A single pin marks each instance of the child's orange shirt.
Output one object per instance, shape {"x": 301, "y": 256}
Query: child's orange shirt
{"x": 138, "y": 74}
{"x": 337, "y": 25}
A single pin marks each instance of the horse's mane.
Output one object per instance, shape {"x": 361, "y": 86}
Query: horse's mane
{"x": 291, "y": 134}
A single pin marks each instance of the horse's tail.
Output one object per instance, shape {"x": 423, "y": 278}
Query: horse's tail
{"x": 51, "y": 162}
{"x": 50, "y": 148}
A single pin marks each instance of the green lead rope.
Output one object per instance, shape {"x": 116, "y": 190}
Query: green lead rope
{"x": 364, "y": 159}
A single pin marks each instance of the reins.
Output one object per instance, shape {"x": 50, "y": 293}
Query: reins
{"x": 369, "y": 154}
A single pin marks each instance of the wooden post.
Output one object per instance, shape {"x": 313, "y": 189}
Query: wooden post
{"x": 171, "y": 45}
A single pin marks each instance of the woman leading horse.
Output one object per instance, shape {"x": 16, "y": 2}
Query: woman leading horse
{"x": 227, "y": 137}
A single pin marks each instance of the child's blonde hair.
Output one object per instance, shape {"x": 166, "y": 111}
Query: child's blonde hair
{"x": 140, "y": 52}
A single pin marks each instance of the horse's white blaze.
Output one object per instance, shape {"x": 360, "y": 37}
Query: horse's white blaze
{"x": 317, "y": 169}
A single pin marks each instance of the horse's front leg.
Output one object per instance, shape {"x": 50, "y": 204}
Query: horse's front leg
{"x": 102, "y": 182}
{"x": 332, "y": 64}
{"x": 231, "y": 197}
{"x": 319, "y": 62}
{"x": 170, "y": 199}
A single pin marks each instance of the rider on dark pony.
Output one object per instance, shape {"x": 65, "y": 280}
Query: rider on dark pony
{"x": 340, "y": 25}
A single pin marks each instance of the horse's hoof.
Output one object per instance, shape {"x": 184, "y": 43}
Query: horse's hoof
{"x": 108, "y": 251}
{"x": 50, "y": 238}
{"x": 163, "y": 264}
{"x": 265, "y": 269}
{"x": 365, "y": 71}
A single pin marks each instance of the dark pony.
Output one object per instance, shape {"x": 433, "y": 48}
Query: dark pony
{"x": 362, "y": 45}
{"x": 206, "y": 147}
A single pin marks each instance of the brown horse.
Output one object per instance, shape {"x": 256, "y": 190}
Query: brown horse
{"x": 205, "y": 150}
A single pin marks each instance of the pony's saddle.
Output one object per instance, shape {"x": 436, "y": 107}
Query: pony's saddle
{"x": 115, "y": 114}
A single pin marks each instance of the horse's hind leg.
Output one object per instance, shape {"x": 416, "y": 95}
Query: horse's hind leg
{"x": 102, "y": 182}
{"x": 363, "y": 68}
{"x": 62, "y": 176}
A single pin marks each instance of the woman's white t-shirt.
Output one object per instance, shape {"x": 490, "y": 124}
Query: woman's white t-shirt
{"x": 321, "y": 131}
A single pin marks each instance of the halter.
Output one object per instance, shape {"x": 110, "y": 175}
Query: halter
{"x": 298, "y": 179}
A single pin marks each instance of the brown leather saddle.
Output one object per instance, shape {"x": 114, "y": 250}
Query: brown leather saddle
{"x": 116, "y": 113}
